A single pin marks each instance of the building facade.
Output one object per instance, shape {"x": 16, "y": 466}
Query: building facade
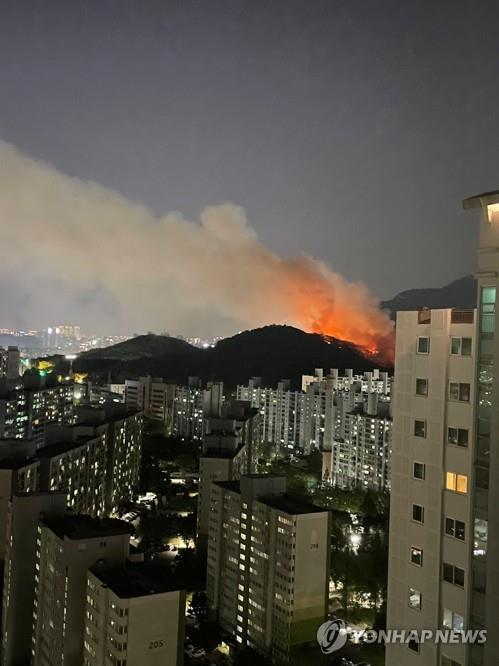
{"x": 132, "y": 618}
{"x": 67, "y": 547}
{"x": 268, "y": 565}
{"x": 432, "y": 530}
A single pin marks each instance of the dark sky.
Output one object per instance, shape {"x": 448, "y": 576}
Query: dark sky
{"x": 348, "y": 129}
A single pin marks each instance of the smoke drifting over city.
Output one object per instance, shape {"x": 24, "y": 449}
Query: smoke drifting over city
{"x": 81, "y": 251}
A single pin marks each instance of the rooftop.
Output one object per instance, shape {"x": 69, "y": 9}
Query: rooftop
{"x": 136, "y": 580}
{"x": 63, "y": 447}
{"x": 77, "y": 527}
{"x": 291, "y": 504}
{"x": 221, "y": 453}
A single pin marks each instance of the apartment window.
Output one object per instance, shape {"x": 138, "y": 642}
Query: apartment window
{"x": 423, "y": 346}
{"x": 459, "y": 391}
{"x": 460, "y": 346}
{"x": 453, "y": 575}
{"x": 413, "y": 644}
{"x": 447, "y": 661}
{"x": 419, "y": 471}
{"x": 424, "y": 316}
{"x": 458, "y": 483}
{"x": 418, "y": 513}
{"x": 419, "y": 428}
{"x": 414, "y": 599}
{"x": 455, "y": 528}
{"x": 457, "y": 436}
{"x": 462, "y": 316}
{"x": 421, "y": 387}
{"x": 417, "y": 556}
{"x": 453, "y": 620}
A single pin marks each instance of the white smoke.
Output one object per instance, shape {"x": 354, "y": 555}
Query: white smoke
{"x": 76, "y": 250}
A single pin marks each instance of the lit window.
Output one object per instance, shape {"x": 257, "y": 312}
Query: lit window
{"x": 456, "y": 482}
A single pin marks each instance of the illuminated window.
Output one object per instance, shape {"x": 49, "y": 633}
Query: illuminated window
{"x": 456, "y": 482}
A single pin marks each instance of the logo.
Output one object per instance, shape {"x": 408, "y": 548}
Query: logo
{"x": 332, "y": 636}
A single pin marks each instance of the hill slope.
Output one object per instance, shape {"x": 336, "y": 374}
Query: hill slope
{"x": 458, "y": 294}
{"x": 272, "y": 352}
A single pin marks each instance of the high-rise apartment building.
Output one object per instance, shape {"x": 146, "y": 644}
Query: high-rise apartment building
{"x": 229, "y": 450}
{"x": 268, "y": 565}
{"x": 76, "y": 464}
{"x": 444, "y": 543}
{"x": 25, "y": 511}
{"x": 192, "y": 405}
{"x": 153, "y": 396}
{"x": 360, "y": 453}
{"x": 133, "y": 617}
{"x": 122, "y": 429}
{"x": 25, "y": 411}
{"x": 432, "y": 528}
{"x": 10, "y": 363}
{"x": 67, "y": 546}
{"x": 311, "y": 419}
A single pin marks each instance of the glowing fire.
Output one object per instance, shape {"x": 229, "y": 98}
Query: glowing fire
{"x": 323, "y": 302}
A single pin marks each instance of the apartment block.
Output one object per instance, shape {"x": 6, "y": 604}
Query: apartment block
{"x": 229, "y": 450}
{"x": 67, "y": 547}
{"x": 22, "y": 550}
{"x": 153, "y": 396}
{"x": 312, "y": 418}
{"x": 360, "y": 453}
{"x": 192, "y": 405}
{"x": 432, "y": 529}
{"x": 76, "y": 465}
{"x": 133, "y": 617}
{"x": 19, "y": 470}
{"x": 268, "y": 565}
{"x": 25, "y": 411}
{"x": 122, "y": 430}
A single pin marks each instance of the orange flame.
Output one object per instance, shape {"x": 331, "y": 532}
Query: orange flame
{"x": 323, "y": 302}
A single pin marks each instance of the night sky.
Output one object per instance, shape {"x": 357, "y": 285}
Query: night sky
{"x": 350, "y": 130}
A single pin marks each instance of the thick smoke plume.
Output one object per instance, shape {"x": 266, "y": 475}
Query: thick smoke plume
{"x": 75, "y": 250}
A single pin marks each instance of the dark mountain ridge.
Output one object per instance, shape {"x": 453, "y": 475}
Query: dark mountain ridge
{"x": 271, "y": 352}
